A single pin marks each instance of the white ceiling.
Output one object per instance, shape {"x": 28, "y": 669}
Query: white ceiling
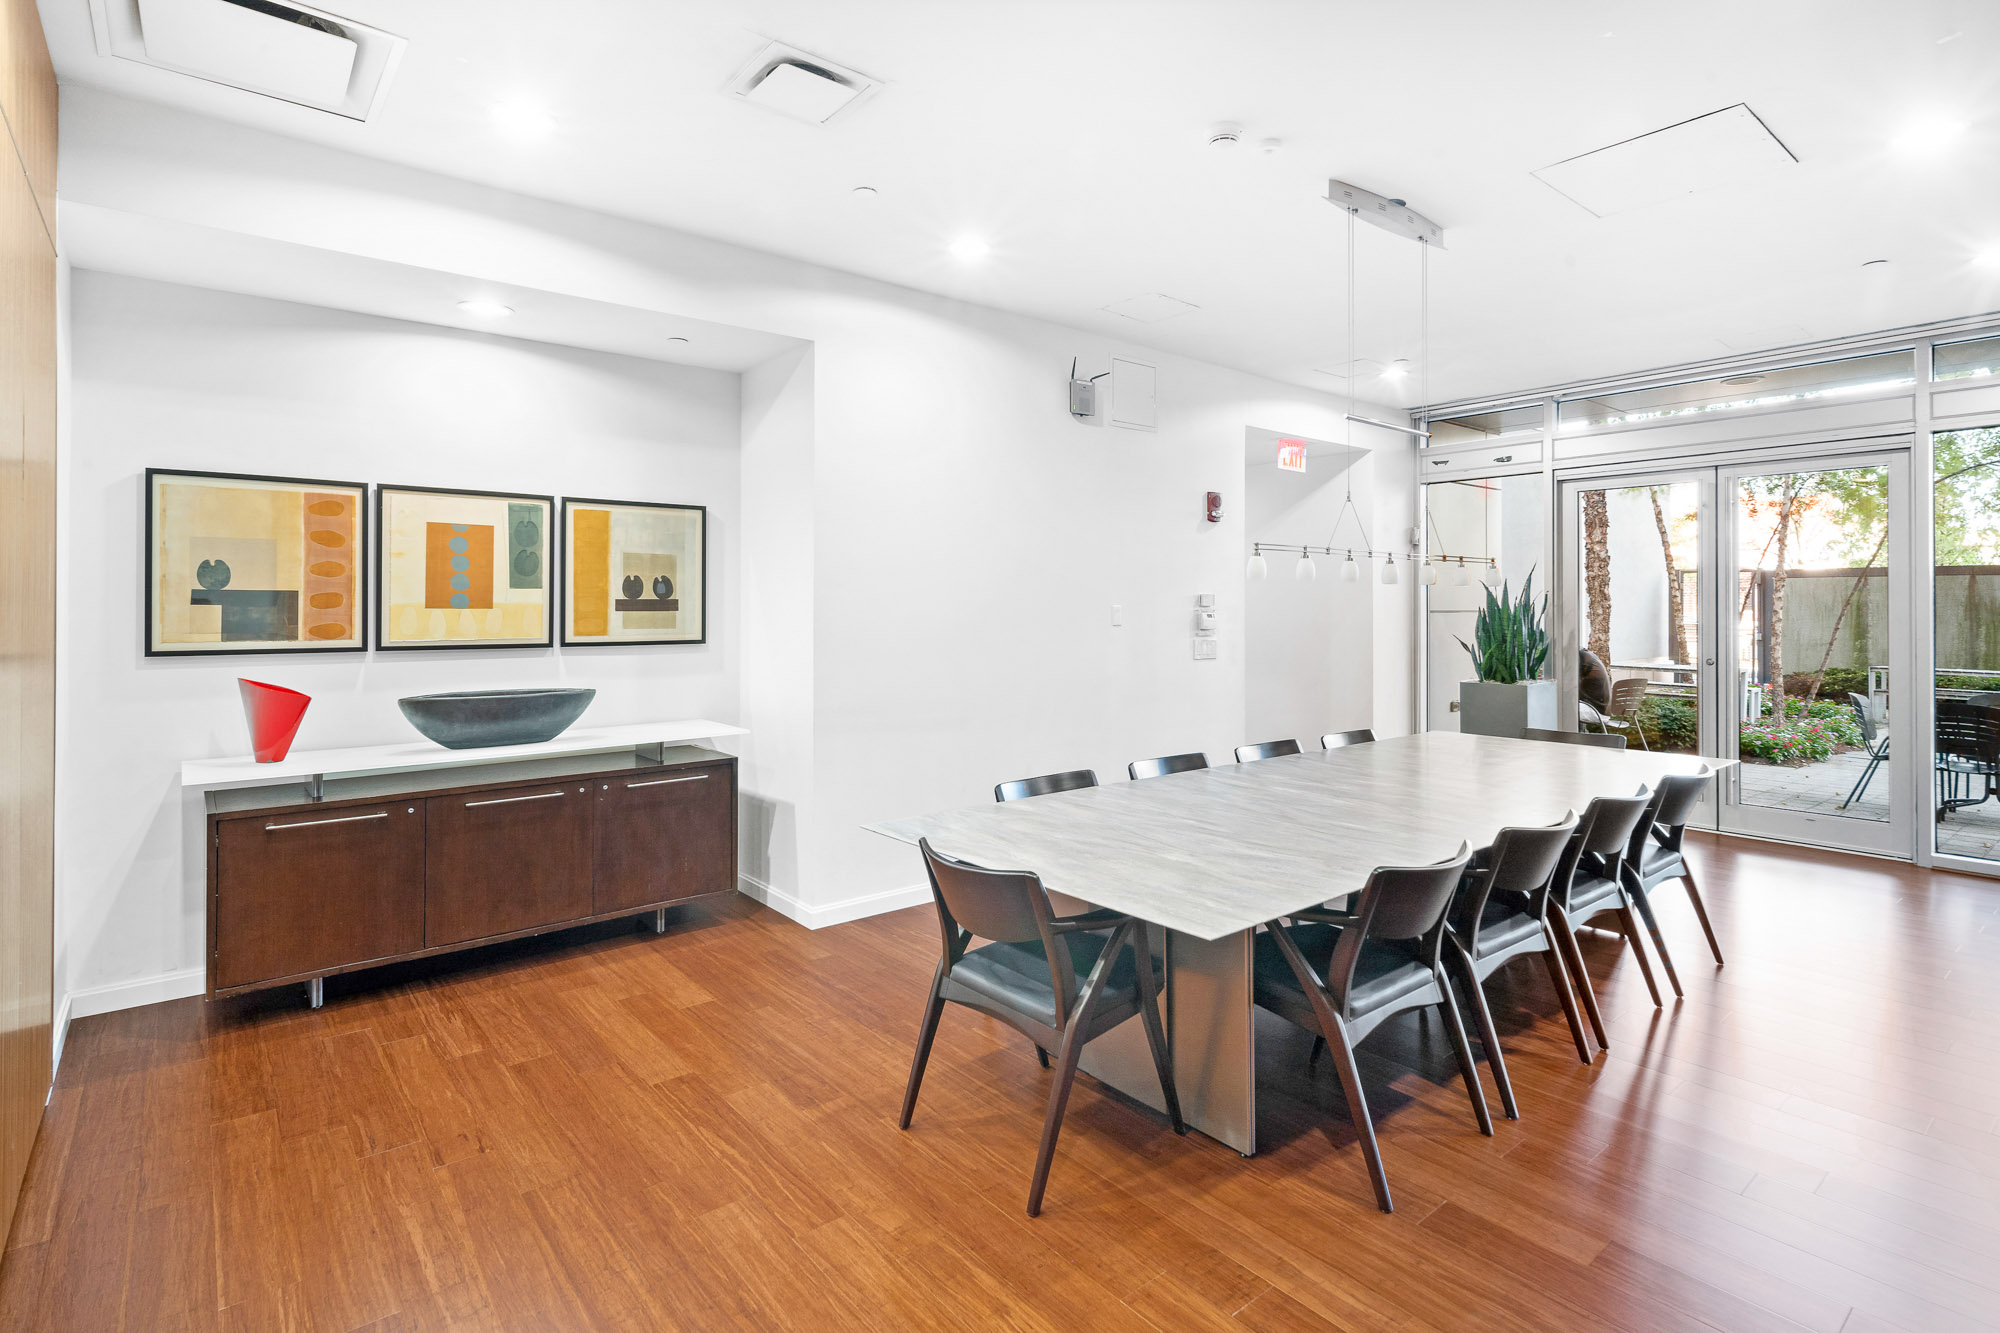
{"x": 1072, "y": 137}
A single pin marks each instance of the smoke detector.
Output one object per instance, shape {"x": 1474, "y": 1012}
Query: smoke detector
{"x": 1228, "y": 134}
{"x": 293, "y": 53}
{"x": 799, "y": 84}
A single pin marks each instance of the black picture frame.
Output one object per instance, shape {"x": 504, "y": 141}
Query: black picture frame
{"x": 562, "y": 551}
{"x": 550, "y": 566}
{"x": 149, "y": 502}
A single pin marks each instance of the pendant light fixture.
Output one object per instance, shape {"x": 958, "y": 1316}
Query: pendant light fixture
{"x": 1459, "y": 577}
{"x": 1430, "y": 574}
{"x": 1257, "y": 569}
{"x": 1349, "y": 571}
{"x": 1304, "y": 571}
{"x": 1389, "y": 568}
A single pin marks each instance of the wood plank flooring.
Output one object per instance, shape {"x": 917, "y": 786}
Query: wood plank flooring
{"x": 612, "y": 1130}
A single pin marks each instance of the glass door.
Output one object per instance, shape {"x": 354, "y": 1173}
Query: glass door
{"x": 1747, "y": 611}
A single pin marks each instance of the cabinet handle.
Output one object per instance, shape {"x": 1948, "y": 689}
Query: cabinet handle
{"x": 661, "y": 782}
{"x": 315, "y": 823}
{"x": 509, "y": 800}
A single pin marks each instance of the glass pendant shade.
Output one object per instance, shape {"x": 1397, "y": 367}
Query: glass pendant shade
{"x": 1459, "y": 578}
{"x": 1430, "y": 575}
{"x": 1389, "y": 569}
{"x": 1349, "y": 571}
{"x": 1492, "y": 573}
{"x": 1304, "y": 571}
{"x": 1257, "y": 568}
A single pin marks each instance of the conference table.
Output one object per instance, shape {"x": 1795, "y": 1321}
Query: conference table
{"x": 1208, "y": 856}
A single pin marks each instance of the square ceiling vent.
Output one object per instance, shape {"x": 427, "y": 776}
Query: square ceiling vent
{"x": 1727, "y": 147}
{"x": 290, "y": 52}
{"x": 799, "y": 84}
{"x": 1152, "y": 308}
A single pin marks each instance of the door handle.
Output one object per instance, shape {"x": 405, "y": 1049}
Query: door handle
{"x": 315, "y": 823}
{"x": 661, "y": 782}
{"x": 509, "y": 800}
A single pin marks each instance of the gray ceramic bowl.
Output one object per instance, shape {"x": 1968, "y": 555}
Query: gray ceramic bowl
{"x": 471, "y": 719}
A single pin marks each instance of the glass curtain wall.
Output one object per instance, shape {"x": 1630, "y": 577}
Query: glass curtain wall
{"x": 1640, "y": 627}
{"x": 1966, "y": 639}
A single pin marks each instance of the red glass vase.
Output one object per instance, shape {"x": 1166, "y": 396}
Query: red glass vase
{"x": 274, "y": 714}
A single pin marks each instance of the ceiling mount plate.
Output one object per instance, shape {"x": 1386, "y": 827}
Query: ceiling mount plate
{"x": 1391, "y": 215}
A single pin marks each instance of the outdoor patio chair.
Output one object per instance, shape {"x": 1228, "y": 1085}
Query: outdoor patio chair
{"x": 1878, "y": 746}
{"x": 1968, "y": 754}
{"x": 1623, "y": 712}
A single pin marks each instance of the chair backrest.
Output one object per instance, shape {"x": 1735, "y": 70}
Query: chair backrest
{"x": 1627, "y": 695}
{"x": 1573, "y": 738}
{"x": 1165, "y": 764}
{"x": 1334, "y": 740}
{"x": 1675, "y": 799}
{"x": 1521, "y": 860}
{"x": 1864, "y": 715}
{"x": 1967, "y": 731}
{"x": 1043, "y": 785}
{"x": 1005, "y": 906}
{"x": 1265, "y": 750}
{"x": 1601, "y": 841}
{"x": 1397, "y": 903}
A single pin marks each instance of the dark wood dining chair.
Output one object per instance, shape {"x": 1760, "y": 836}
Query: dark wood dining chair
{"x": 1341, "y": 974}
{"x": 1589, "y": 738}
{"x": 1021, "y": 788}
{"x": 1334, "y": 740}
{"x": 1265, "y": 750}
{"x": 1656, "y": 856}
{"x": 1165, "y": 764}
{"x": 1027, "y": 978}
{"x": 1590, "y": 882}
{"x": 1502, "y": 913}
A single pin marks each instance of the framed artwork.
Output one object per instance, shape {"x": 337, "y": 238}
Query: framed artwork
{"x": 462, "y": 569}
{"x": 634, "y": 572}
{"x": 248, "y": 564}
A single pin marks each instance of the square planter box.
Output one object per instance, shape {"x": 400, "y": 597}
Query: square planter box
{"x": 1487, "y": 709}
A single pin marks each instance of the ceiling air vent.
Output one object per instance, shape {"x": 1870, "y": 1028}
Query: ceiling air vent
{"x": 795, "y": 83}
{"x": 289, "y": 52}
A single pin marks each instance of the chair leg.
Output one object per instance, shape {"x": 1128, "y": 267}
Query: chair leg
{"x": 1319, "y": 1049}
{"x": 1448, "y": 1006}
{"x": 1066, "y": 1061}
{"x": 1559, "y": 978}
{"x": 1637, "y": 893}
{"x": 1579, "y": 975}
{"x": 1335, "y": 1033}
{"x": 1042, "y": 1054}
{"x": 1489, "y": 1036}
{"x": 1629, "y": 924}
{"x": 1156, "y": 1035}
{"x": 1700, "y": 909}
{"x": 933, "y": 1010}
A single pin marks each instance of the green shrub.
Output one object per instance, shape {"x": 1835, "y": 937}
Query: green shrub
{"x": 1670, "y": 724}
{"x": 1796, "y": 732}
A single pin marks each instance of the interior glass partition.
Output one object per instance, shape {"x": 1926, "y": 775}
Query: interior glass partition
{"x": 1966, "y": 641}
{"x": 1470, "y": 522}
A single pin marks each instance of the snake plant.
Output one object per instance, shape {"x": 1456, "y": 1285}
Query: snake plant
{"x": 1512, "y": 642}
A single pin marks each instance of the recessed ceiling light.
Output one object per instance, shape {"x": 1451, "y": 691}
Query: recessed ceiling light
{"x": 970, "y": 249}
{"x": 1738, "y": 381}
{"x": 524, "y": 119}
{"x": 1928, "y": 135}
{"x": 479, "y": 309}
{"x": 1396, "y": 370}
{"x": 1989, "y": 257}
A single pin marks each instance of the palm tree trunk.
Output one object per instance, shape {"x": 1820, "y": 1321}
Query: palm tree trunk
{"x": 1777, "y": 640}
{"x": 1676, "y": 612}
{"x": 1597, "y": 573}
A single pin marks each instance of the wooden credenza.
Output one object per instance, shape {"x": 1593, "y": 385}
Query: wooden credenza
{"x": 386, "y": 868}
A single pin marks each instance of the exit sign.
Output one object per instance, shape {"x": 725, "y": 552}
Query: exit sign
{"x": 1292, "y": 455}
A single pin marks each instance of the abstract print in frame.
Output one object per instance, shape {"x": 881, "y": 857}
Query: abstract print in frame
{"x": 237, "y": 563}
{"x": 462, "y": 569}
{"x": 634, "y": 572}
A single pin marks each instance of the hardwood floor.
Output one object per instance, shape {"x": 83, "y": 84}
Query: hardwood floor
{"x": 609, "y": 1130}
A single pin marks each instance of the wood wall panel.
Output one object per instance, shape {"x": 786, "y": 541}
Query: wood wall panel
{"x": 27, "y": 584}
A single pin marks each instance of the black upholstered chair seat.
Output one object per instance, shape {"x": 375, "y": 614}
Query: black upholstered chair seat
{"x": 1385, "y": 974}
{"x": 1657, "y": 863}
{"x": 1502, "y": 926}
{"x": 1591, "y": 894}
{"x": 1016, "y": 976}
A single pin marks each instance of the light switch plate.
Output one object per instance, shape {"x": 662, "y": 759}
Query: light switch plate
{"x": 1204, "y": 599}
{"x": 1204, "y": 650}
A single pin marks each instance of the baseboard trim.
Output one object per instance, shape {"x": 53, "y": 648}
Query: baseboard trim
{"x": 833, "y": 914}
{"x": 107, "y": 999}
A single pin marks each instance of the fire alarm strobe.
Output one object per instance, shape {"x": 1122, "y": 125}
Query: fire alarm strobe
{"x": 1215, "y": 506}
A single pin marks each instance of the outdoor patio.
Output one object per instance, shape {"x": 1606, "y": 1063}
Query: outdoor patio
{"x": 1974, "y": 831}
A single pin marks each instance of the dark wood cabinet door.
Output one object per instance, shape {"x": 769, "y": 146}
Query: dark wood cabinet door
{"x": 306, "y": 892}
{"x": 665, "y": 837}
{"x": 506, "y": 860}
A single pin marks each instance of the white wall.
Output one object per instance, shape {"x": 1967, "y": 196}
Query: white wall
{"x": 938, "y": 543}
{"x": 171, "y": 376}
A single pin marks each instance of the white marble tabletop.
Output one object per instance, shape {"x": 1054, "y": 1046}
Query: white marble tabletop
{"x": 1220, "y": 850}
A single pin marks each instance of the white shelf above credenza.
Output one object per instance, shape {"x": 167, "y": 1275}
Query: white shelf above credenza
{"x": 314, "y": 767}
